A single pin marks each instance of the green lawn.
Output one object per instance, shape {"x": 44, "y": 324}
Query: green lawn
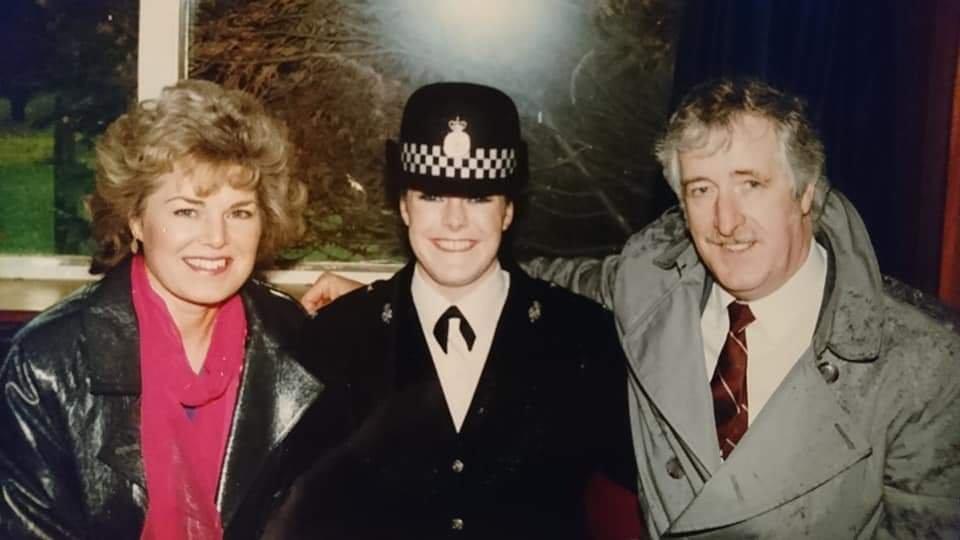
{"x": 26, "y": 193}
{"x": 26, "y": 208}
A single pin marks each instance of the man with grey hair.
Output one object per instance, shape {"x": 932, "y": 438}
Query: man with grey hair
{"x": 781, "y": 388}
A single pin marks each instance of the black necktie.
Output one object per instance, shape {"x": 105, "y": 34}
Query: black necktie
{"x": 440, "y": 329}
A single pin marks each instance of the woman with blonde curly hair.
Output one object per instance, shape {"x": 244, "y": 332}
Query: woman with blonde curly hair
{"x": 159, "y": 401}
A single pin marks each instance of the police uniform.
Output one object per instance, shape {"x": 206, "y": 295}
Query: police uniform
{"x": 547, "y": 413}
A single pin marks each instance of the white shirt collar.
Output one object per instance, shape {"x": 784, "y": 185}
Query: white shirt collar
{"x": 797, "y": 300}
{"x": 481, "y": 306}
{"x": 459, "y": 369}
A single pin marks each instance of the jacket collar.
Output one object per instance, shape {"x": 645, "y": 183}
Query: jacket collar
{"x": 275, "y": 390}
{"x": 517, "y": 340}
{"x": 854, "y": 296}
{"x": 112, "y": 350}
{"x": 853, "y": 300}
{"x": 517, "y": 337}
{"x": 110, "y": 324}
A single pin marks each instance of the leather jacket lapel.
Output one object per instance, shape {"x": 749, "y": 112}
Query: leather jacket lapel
{"x": 275, "y": 392}
{"x": 113, "y": 350}
{"x": 121, "y": 449}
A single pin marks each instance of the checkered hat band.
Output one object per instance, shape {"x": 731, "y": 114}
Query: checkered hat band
{"x": 483, "y": 163}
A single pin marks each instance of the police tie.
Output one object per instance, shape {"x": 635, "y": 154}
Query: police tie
{"x": 443, "y": 324}
{"x": 729, "y": 382}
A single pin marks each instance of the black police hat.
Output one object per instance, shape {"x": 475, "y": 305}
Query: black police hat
{"x": 458, "y": 139}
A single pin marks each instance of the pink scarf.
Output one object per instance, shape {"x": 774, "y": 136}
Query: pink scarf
{"x": 185, "y": 416}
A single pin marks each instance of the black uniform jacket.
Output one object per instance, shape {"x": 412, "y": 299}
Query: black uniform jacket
{"x": 549, "y": 410}
{"x": 70, "y": 457}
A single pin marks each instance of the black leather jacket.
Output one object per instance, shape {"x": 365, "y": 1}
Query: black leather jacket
{"x": 70, "y": 457}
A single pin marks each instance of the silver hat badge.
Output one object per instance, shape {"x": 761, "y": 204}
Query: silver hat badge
{"x": 457, "y": 142}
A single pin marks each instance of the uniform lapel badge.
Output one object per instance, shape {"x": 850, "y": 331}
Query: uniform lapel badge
{"x": 457, "y": 142}
{"x": 534, "y": 311}
{"x": 387, "y": 315}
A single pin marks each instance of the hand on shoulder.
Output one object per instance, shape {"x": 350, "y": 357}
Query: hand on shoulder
{"x": 327, "y": 288}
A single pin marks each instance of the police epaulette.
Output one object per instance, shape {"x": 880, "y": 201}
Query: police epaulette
{"x": 378, "y": 284}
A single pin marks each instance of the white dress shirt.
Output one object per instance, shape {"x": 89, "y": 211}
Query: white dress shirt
{"x": 782, "y": 330}
{"x": 459, "y": 369}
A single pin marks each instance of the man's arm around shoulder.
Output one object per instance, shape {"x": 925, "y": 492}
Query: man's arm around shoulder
{"x": 596, "y": 278}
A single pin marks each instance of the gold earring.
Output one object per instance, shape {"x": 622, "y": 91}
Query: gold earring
{"x": 134, "y": 246}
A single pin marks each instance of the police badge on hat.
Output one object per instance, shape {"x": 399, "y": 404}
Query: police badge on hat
{"x": 458, "y": 139}
{"x": 456, "y": 143}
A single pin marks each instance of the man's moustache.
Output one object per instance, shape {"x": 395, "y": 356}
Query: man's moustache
{"x": 721, "y": 242}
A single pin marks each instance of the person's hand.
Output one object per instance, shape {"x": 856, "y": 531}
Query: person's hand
{"x": 327, "y": 288}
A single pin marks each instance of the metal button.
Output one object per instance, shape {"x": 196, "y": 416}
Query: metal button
{"x": 828, "y": 371}
{"x": 457, "y": 466}
{"x": 674, "y": 469}
{"x": 456, "y": 524}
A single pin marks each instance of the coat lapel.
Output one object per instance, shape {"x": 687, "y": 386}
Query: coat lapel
{"x": 110, "y": 325}
{"x": 416, "y": 382}
{"x": 666, "y": 359}
{"x": 121, "y": 449}
{"x": 516, "y": 338}
{"x": 801, "y": 439}
{"x": 275, "y": 392}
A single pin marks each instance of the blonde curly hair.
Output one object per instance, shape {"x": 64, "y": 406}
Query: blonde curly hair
{"x": 194, "y": 124}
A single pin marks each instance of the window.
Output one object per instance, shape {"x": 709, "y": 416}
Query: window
{"x": 70, "y": 68}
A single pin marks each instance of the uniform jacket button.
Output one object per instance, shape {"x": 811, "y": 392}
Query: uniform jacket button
{"x": 674, "y": 469}
{"x": 456, "y": 524}
{"x": 829, "y": 372}
{"x": 457, "y": 466}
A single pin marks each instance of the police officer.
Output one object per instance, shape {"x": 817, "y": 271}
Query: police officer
{"x": 480, "y": 401}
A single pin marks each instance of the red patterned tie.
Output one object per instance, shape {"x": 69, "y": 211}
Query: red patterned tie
{"x": 729, "y": 382}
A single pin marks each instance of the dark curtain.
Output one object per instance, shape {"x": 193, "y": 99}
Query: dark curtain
{"x": 878, "y": 77}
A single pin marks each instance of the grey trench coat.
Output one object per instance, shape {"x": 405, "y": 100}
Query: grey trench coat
{"x": 862, "y": 438}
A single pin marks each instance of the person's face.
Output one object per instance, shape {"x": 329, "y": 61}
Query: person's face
{"x": 198, "y": 250}
{"x": 749, "y": 229}
{"x": 455, "y": 239}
